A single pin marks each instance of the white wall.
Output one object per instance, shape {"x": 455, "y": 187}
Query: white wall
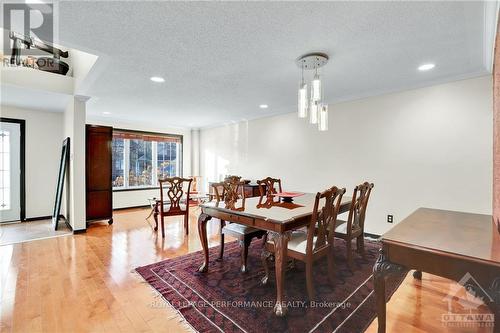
{"x": 44, "y": 135}
{"x": 427, "y": 147}
{"x": 123, "y": 199}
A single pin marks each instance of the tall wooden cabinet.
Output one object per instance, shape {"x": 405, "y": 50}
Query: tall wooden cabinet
{"x": 99, "y": 188}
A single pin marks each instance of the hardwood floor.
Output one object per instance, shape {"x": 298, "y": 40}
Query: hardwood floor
{"x": 417, "y": 307}
{"x": 85, "y": 283}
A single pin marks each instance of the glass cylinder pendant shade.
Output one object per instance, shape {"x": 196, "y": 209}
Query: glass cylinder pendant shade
{"x": 302, "y": 103}
{"x": 323, "y": 118}
{"x": 316, "y": 89}
{"x": 313, "y": 110}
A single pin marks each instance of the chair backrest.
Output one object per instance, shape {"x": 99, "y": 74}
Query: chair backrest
{"x": 219, "y": 191}
{"x": 360, "y": 196}
{"x": 323, "y": 219}
{"x": 267, "y": 186}
{"x": 230, "y": 191}
{"x": 175, "y": 188}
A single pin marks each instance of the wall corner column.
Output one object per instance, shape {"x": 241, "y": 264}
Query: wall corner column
{"x": 195, "y": 152}
{"x": 496, "y": 132}
{"x": 74, "y": 128}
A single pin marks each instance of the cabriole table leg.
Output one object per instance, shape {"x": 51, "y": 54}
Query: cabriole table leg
{"x": 202, "y": 231}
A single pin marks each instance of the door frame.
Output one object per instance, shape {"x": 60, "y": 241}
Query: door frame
{"x": 22, "y": 125}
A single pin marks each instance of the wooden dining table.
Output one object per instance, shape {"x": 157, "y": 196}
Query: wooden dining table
{"x": 278, "y": 218}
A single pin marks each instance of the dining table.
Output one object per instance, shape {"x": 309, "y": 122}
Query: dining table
{"x": 276, "y": 217}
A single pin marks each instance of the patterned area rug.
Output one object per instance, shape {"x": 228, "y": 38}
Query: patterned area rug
{"x": 225, "y": 300}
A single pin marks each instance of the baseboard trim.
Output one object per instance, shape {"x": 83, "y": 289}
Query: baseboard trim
{"x": 123, "y": 208}
{"x": 38, "y": 218}
{"x": 79, "y": 231}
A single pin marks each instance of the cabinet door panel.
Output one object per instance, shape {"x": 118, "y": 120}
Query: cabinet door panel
{"x": 98, "y": 204}
{"x": 99, "y": 153}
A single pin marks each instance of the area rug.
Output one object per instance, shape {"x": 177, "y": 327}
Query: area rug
{"x": 225, "y": 300}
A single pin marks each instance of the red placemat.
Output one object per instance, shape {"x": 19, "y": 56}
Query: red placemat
{"x": 288, "y": 194}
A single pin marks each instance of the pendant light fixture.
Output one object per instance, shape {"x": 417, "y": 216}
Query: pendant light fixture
{"x": 316, "y": 88}
{"x": 323, "y": 118}
{"x": 313, "y": 118}
{"x": 318, "y": 111}
{"x": 303, "y": 102}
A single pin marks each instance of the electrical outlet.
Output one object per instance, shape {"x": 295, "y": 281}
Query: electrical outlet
{"x": 390, "y": 218}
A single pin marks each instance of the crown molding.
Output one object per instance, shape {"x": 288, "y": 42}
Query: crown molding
{"x": 82, "y": 98}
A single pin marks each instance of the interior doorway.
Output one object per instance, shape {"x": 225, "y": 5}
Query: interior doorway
{"x": 12, "y": 150}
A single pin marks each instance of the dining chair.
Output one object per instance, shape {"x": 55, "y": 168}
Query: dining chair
{"x": 267, "y": 186}
{"x": 314, "y": 243}
{"x": 177, "y": 191}
{"x": 219, "y": 186}
{"x": 354, "y": 227}
{"x": 232, "y": 191}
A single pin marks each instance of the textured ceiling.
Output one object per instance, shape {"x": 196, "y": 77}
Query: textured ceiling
{"x": 221, "y": 60}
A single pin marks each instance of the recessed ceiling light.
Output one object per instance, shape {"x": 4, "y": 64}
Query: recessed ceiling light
{"x": 157, "y": 79}
{"x": 106, "y": 113}
{"x": 426, "y": 67}
{"x": 263, "y": 106}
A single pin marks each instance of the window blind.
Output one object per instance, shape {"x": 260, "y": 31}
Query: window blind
{"x": 146, "y": 136}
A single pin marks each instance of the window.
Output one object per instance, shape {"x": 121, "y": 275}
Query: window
{"x": 118, "y": 162}
{"x": 140, "y": 159}
{"x": 167, "y": 159}
{"x": 140, "y": 163}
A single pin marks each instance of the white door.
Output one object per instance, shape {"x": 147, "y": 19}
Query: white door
{"x": 10, "y": 171}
